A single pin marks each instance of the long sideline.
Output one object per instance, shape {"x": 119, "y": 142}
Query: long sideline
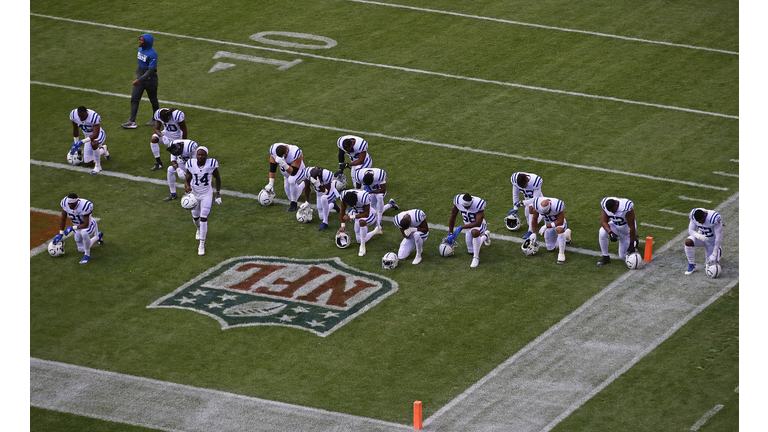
{"x": 546, "y": 27}
{"x": 413, "y": 140}
{"x": 399, "y": 68}
{"x": 432, "y": 226}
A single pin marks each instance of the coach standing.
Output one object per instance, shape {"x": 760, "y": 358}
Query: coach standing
{"x": 146, "y": 79}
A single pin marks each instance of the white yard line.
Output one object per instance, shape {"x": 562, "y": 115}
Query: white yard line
{"x": 546, "y": 27}
{"x": 706, "y": 417}
{"x": 399, "y": 68}
{"x": 413, "y": 140}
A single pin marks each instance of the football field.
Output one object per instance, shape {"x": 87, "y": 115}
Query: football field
{"x": 275, "y": 328}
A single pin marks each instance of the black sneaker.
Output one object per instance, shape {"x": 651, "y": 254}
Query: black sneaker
{"x": 170, "y": 197}
{"x": 156, "y": 167}
{"x": 604, "y": 261}
{"x": 293, "y": 207}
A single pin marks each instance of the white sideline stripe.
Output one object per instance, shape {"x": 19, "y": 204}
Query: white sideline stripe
{"x": 363, "y": 133}
{"x": 706, "y": 417}
{"x": 160, "y": 404}
{"x": 399, "y": 68}
{"x": 735, "y": 160}
{"x": 725, "y": 174}
{"x": 256, "y": 197}
{"x": 685, "y": 198}
{"x": 673, "y": 212}
{"x": 546, "y": 27}
{"x": 655, "y": 226}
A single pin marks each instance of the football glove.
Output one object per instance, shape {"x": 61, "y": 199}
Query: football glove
{"x": 58, "y": 238}
{"x": 542, "y": 229}
{"x": 367, "y": 189}
{"x": 270, "y": 190}
{"x": 75, "y": 147}
{"x": 218, "y": 200}
{"x": 283, "y": 164}
{"x": 315, "y": 182}
{"x": 456, "y": 232}
{"x": 518, "y": 204}
{"x": 613, "y": 236}
{"x": 700, "y": 236}
{"x": 712, "y": 258}
{"x": 409, "y": 231}
{"x": 631, "y": 249}
{"x": 167, "y": 141}
{"x": 68, "y": 230}
{"x": 338, "y": 172}
{"x": 449, "y": 239}
{"x": 343, "y": 165}
{"x": 513, "y": 211}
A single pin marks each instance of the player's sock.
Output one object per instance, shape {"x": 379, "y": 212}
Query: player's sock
{"x": 155, "y": 150}
{"x": 690, "y": 253}
{"x": 203, "y": 230}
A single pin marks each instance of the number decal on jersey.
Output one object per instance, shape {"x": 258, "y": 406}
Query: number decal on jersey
{"x": 170, "y": 127}
{"x": 706, "y": 231}
{"x": 527, "y": 194}
{"x": 618, "y": 221}
{"x": 467, "y": 216}
{"x": 86, "y": 128}
{"x": 203, "y": 180}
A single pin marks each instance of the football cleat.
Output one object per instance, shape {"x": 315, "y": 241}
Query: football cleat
{"x": 197, "y": 234}
{"x": 487, "y": 240}
{"x": 342, "y": 239}
{"x": 560, "y": 257}
{"x": 417, "y": 259}
{"x": 158, "y": 166}
{"x": 528, "y": 234}
{"x": 361, "y": 252}
{"x": 266, "y": 197}
{"x": 604, "y": 261}
{"x": 172, "y": 196}
{"x": 323, "y": 226}
{"x": 512, "y": 221}
{"x": 188, "y": 202}
{"x": 633, "y": 261}
{"x": 691, "y": 269}
{"x": 393, "y": 205}
{"x": 101, "y": 238}
{"x": 530, "y": 247}
{"x": 96, "y": 169}
{"x": 713, "y": 270}
{"x": 377, "y": 230}
{"x": 85, "y": 259}
{"x": 389, "y": 261}
{"x": 129, "y": 125}
{"x": 292, "y": 207}
{"x": 475, "y": 262}
{"x": 106, "y": 152}
{"x": 201, "y": 248}
{"x": 56, "y": 249}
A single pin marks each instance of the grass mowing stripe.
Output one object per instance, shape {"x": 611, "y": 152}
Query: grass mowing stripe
{"x": 404, "y": 69}
{"x": 413, "y": 140}
{"x": 256, "y": 197}
{"x": 546, "y": 27}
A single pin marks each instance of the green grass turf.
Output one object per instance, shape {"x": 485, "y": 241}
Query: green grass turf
{"x": 445, "y": 328}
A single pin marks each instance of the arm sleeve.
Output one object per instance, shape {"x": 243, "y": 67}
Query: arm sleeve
{"x": 341, "y": 156}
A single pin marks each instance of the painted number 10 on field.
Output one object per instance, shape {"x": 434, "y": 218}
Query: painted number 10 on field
{"x": 264, "y": 37}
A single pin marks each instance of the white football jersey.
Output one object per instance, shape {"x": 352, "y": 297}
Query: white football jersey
{"x": 469, "y": 214}
{"x": 326, "y": 178}
{"x": 620, "y": 217}
{"x": 81, "y": 210}
{"x": 202, "y": 176}
{"x": 379, "y": 177}
{"x": 291, "y": 155}
{"x": 712, "y": 226}
{"x": 363, "y": 199}
{"x": 360, "y": 146}
{"x": 189, "y": 151}
{"x": 171, "y": 129}
{"x": 417, "y": 217}
{"x": 555, "y": 208}
{"x": 87, "y": 125}
{"x": 530, "y": 191}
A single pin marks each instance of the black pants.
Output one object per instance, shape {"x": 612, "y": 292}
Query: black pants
{"x": 138, "y": 91}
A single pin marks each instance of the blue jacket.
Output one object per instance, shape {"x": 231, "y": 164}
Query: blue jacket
{"x": 147, "y": 59}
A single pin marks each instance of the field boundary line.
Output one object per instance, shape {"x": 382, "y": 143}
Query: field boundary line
{"x": 400, "y": 68}
{"x": 413, "y": 140}
{"x": 278, "y": 200}
{"x": 546, "y": 27}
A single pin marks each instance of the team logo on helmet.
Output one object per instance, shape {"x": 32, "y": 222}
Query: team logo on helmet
{"x": 446, "y": 249}
{"x": 188, "y": 202}
{"x": 304, "y": 214}
{"x": 633, "y": 260}
{"x": 75, "y": 158}
{"x": 317, "y": 295}
{"x": 56, "y": 249}
{"x": 713, "y": 270}
{"x": 530, "y": 247}
{"x": 266, "y": 198}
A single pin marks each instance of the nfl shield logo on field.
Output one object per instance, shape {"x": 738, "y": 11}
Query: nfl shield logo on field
{"x": 319, "y": 295}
